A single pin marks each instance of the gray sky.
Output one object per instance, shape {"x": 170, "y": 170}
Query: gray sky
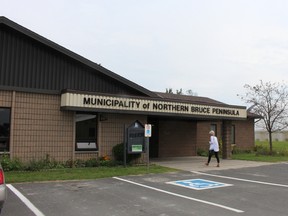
{"x": 212, "y": 47}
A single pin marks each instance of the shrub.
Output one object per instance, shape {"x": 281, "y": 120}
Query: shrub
{"x": 202, "y": 152}
{"x": 44, "y": 164}
{"x": 34, "y": 165}
{"x": 118, "y": 153}
{"x": 93, "y": 162}
{"x": 8, "y": 164}
{"x": 50, "y": 163}
{"x": 107, "y": 163}
{"x": 236, "y": 150}
{"x": 79, "y": 163}
{"x": 261, "y": 150}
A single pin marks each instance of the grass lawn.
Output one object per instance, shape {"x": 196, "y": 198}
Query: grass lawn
{"x": 277, "y": 145}
{"x": 81, "y": 173}
{"x": 263, "y": 158}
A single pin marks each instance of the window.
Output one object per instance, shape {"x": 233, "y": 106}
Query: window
{"x": 214, "y": 128}
{"x": 86, "y": 132}
{"x": 4, "y": 129}
{"x": 233, "y": 141}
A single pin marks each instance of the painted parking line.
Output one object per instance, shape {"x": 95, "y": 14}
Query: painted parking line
{"x": 30, "y": 205}
{"x": 181, "y": 196}
{"x": 239, "y": 179}
{"x": 199, "y": 184}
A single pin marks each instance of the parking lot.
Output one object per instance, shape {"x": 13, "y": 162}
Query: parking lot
{"x": 258, "y": 190}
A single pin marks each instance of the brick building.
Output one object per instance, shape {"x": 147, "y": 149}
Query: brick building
{"x": 57, "y": 103}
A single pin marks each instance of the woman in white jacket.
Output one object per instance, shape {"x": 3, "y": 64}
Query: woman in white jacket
{"x": 214, "y": 148}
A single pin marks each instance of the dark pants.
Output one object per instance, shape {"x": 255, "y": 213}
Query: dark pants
{"x": 211, "y": 153}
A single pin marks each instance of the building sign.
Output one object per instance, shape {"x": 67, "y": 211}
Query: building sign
{"x": 135, "y": 138}
{"x": 152, "y": 106}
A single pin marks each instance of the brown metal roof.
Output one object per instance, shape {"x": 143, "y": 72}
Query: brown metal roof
{"x": 192, "y": 99}
{"x": 202, "y": 100}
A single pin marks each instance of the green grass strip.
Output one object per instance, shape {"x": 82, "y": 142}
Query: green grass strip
{"x": 81, "y": 173}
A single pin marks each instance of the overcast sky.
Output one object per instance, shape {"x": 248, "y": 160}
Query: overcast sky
{"x": 213, "y": 47}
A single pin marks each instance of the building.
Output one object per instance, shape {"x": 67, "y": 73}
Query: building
{"x": 57, "y": 103}
{"x": 262, "y": 135}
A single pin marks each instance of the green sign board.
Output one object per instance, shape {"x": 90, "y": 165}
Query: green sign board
{"x": 137, "y": 148}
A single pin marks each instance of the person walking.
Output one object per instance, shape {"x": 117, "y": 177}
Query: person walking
{"x": 213, "y": 149}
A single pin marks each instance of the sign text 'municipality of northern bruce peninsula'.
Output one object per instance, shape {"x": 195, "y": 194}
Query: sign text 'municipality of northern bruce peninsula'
{"x": 103, "y": 102}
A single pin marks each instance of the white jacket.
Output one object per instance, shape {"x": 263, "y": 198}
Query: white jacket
{"x": 214, "y": 145}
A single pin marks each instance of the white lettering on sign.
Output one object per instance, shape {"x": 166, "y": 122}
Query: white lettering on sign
{"x": 132, "y": 104}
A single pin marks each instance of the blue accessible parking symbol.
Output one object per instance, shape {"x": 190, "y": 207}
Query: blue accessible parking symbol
{"x": 199, "y": 184}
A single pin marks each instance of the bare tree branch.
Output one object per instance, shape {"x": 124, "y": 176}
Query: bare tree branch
{"x": 269, "y": 100}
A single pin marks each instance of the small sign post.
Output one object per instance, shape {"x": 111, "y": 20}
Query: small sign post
{"x": 148, "y": 133}
{"x": 148, "y": 130}
{"x": 137, "y": 140}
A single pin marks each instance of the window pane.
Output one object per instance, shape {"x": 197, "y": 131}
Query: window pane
{"x": 86, "y": 126}
{"x": 214, "y": 128}
{"x": 4, "y": 129}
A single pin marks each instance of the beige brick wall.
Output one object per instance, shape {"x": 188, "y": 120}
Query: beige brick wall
{"x": 39, "y": 127}
{"x": 85, "y": 155}
{"x": 112, "y": 131}
{"x": 5, "y": 98}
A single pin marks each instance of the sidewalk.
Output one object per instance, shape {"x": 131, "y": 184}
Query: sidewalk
{"x": 197, "y": 163}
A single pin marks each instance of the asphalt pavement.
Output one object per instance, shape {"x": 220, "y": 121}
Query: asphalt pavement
{"x": 235, "y": 188}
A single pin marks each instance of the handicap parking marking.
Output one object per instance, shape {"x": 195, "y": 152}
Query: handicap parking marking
{"x": 199, "y": 184}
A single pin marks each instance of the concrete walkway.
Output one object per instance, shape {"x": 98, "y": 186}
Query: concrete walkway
{"x": 197, "y": 163}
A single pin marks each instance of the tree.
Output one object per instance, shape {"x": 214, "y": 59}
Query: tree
{"x": 269, "y": 100}
{"x": 170, "y": 91}
{"x": 180, "y": 92}
{"x": 191, "y": 92}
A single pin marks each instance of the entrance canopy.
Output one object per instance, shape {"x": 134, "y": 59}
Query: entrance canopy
{"x": 125, "y": 104}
